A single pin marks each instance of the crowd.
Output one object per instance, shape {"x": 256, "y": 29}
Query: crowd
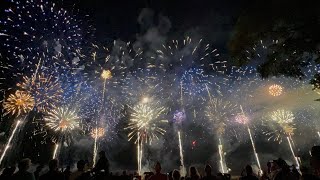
{"x": 275, "y": 170}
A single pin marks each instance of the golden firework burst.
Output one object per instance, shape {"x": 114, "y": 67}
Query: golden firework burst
{"x": 45, "y": 89}
{"x": 106, "y": 74}
{"x": 62, "y": 119}
{"x": 275, "y": 90}
{"x": 97, "y": 132}
{"x": 18, "y": 103}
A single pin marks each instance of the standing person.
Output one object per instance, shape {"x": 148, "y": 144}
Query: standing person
{"x": 23, "y": 173}
{"x": 7, "y": 173}
{"x": 37, "y": 172}
{"x": 249, "y": 174}
{"x": 315, "y": 163}
{"x": 208, "y": 171}
{"x": 176, "y": 175}
{"x": 80, "y": 170}
{"x": 158, "y": 175}
{"x": 102, "y": 164}
{"x": 53, "y": 173}
{"x": 67, "y": 172}
{"x": 193, "y": 174}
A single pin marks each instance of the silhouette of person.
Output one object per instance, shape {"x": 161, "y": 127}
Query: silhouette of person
{"x": 23, "y": 173}
{"x": 7, "y": 173}
{"x": 208, "y": 171}
{"x": 249, "y": 174}
{"x": 158, "y": 175}
{"x": 53, "y": 172}
{"x": 176, "y": 175}
{"x": 193, "y": 174}
{"x": 102, "y": 164}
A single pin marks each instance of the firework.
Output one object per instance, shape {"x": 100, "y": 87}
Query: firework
{"x": 242, "y": 119}
{"x": 146, "y": 123}
{"x": 181, "y": 155}
{"x": 179, "y": 116}
{"x": 219, "y": 112}
{"x": 106, "y": 74}
{"x": 32, "y": 29}
{"x": 45, "y": 89}
{"x": 115, "y": 60}
{"x": 177, "y": 55}
{"x": 282, "y": 116}
{"x": 275, "y": 90}
{"x": 281, "y": 123}
{"x": 194, "y": 81}
{"x": 62, "y": 120}
{"x": 19, "y": 103}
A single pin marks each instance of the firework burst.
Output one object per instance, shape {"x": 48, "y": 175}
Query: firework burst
{"x": 32, "y": 29}
{"x": 63, "y": 120}
{"x": 280, "y": 123}
{"x": 19, "y": 103}
{"x": 45, "y": 89}
{"x": 146, "y": 123}
{"x": 275, "y": 90}
{"x": 220, "y": 112}
{"x": 177, "y": 55}
{"x": 97, "y": 132}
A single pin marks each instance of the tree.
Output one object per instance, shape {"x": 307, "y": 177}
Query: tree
{"x": 295, "y": 24}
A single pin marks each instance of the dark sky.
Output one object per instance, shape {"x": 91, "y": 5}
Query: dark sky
{"x": 213, "y": 19}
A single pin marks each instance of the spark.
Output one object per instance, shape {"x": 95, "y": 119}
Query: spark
{"x": 97, "y": 132}
{"x": 56, "y": 147}
{"x": 19, "y": 103}
{"x": 181, "y": 154}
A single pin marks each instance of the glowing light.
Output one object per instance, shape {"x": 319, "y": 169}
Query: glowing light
{"x": 9, "y": 141}
{"x": 18, "y": 103}
{"x": 62, "y": 119}
{"x": 222, "y": 159}
{"x": 56, "y": 147}
{"x": 97, "y": 132}
{"x": 146, "y": 123}
{"x": 242, "y": 119}
{"x": 275, "y": 90}
{"x": 179, "y": 116}
{"x": 145, "y": 100}
{"x": 106, "y": 74}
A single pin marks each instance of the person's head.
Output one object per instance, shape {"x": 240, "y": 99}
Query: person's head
{"x": 176, "y": 175}
{"x": 39, "y": 168}
{"x": 102, "y": 154}
{"x": 24, "y": 164}
{"x": 8, "y": 171}
{"x": 157, "y": 167}
{"x": 53, "y": 164}
{"x": 208, "y": 169}
{"x": 193, "y": 171}
{"x": 124, "y": 173}
{"x": 80, "y": 165}
{"x": 315, "y": 157}
{"x": 249, "y": 170}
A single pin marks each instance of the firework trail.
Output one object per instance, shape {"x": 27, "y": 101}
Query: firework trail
{"x": 9, "y": 141}
{"x": 244, "y": 120}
